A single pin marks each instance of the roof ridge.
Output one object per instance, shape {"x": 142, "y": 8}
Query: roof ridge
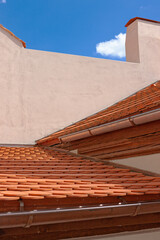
{"x": 94, "y": 159}
{"x": 17, "y": 145}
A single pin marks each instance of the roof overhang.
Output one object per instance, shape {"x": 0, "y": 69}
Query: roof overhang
{"x": 42, "y": 217}
{"x": 135, "y": 120}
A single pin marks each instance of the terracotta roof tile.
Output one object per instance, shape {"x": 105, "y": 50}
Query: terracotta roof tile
{"x": 144, "y": 100}
{"x": 54, "y": 176}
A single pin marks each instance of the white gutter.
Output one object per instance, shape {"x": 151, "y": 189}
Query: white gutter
{"x": 113, "y": 126}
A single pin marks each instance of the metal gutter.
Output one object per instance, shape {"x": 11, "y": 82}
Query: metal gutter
{"x": 113, "y": 126}
{"x": 42, "y": 217}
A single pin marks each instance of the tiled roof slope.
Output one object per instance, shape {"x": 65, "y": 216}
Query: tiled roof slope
{"x": 144, "y": 100}
{"x": 45, "y": 177}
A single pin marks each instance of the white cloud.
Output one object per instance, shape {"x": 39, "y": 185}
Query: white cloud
{"x": 114, "y": 47}
{"x": 3, "y": 1}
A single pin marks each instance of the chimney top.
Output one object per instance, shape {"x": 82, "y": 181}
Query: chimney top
{"x": 144, "y": 19}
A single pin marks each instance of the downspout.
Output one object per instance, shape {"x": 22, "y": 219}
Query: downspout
{"x": 113, "y": 126}
{"x": 42, "y": 217}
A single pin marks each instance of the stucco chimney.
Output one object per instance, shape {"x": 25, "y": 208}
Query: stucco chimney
{"x": 143, "y": 41}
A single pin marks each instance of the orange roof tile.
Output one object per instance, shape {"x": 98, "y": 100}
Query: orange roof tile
{"x": 144, "y": 100}
{"x": 23, "y": 43}
{"x": 46, "y": 175}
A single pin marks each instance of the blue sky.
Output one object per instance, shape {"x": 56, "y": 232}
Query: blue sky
{"x": 73, "y": 26}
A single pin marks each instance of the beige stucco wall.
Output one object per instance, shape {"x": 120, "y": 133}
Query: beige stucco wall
{"x": 42, "y": 92}
{"x": 149, "y": 163}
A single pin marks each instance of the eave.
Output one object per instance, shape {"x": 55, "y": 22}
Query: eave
{"x": 79, "y": 222}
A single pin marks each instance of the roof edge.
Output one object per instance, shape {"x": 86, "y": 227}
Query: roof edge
{"x": 16, "y": 145}
{"x": 12, "y": 34}
{"x": 88, "y": 132}
{"x": 139, "y": 18}
{"x": 51, "y": 139}
{"x": 83, "y": 213}
{"x": 106, "y": 162}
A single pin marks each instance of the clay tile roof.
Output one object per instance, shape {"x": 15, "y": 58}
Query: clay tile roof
{"x": 142, "y": 101}
{"x": 49, "y": 177}
{"x": 136, "y": 18}
{"x": 23, "y": 43}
